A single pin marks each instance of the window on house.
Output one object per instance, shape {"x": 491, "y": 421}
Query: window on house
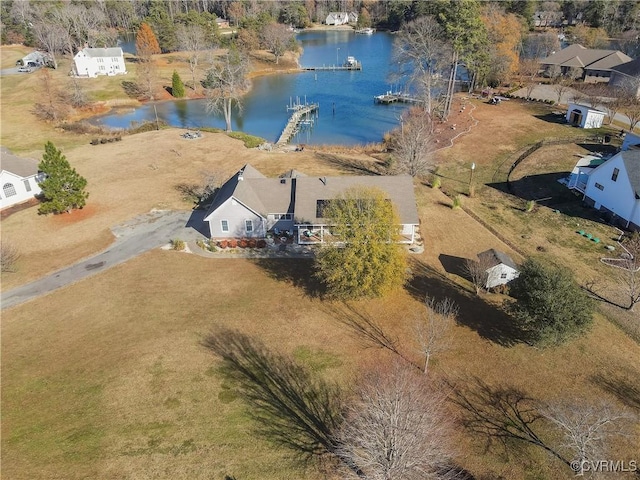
{"x": 248, "y": 226}
{"x": 599, "y": 187}
{"x": 282, "y": 216}
{"x": 503, "y": 275}
{"x": 9, "y": 190}
{"x": 102, "y": 67}
{"x": 616, "y": 171}
{"x": 27, "y": 185}
{"x": 224, "y": 224}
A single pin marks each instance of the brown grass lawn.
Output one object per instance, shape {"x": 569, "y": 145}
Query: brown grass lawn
{"x": 107, "y": 378}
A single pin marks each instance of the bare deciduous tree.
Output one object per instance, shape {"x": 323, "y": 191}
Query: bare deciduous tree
{"x": 414, "y": 144}
{"x": 396, "y": 427}
{"x": 586, "y": 429}
{"x": 528, "y": 69}
{"x": 51, "y": 37}
{"x": 225, "y": 83}
{"x": 277, "y": 38}
{"x": 631, "y": 108}
{"x": 477, "y": 272}
{"x": 433, "y": 328}
{"x": 561, "y": 86}
{"x": 192, "y": 38}
{"x": 419, "y": 49}
{"x": 9, "y": 256}
{"x": 630, "y": 276}
{"x": 614, "y": 104}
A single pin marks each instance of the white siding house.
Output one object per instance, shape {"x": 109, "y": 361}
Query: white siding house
{"x": 614, "y": 189}
{"x": 19, "y": 179}
{"x": 337, "y": 18}
{"x": 584, "y": 117}
{"x": 501, "y": 269}
{"x": 91, "y": 62}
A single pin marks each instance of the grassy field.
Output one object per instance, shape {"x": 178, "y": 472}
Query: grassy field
{"x": 107, "y": 378}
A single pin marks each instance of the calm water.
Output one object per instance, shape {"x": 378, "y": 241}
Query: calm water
{"x": 347, "y": 115}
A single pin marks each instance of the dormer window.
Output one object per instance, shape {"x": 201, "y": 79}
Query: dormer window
{"x": 616, "y": 171}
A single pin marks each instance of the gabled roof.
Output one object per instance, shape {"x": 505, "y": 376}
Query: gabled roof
{"x": 23, "y": 167}
{"x": 494, "y": 257}
{"x": 594, "y": 59}
{"x": 255, "y": 191}
{"x": 296, "y": 193}
{"x": 310, "y": 190}
{"x": 631, "y": 160}
{"x": 631, "y": 68}
{"x": 102, "y": 52}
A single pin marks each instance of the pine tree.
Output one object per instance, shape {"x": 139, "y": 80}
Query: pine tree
{"x": 63, "y": 188}
{"x": 146, "y": 42}
{"x": 177, "y": 87}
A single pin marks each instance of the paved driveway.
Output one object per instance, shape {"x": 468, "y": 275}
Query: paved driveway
{"x": 134, "y": 237}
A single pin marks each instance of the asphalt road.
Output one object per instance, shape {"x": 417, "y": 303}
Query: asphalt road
{"x": 137, "y": 236}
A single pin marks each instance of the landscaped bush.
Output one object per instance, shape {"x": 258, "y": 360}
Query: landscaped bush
{"x": 233, "y": 243}
{"x": 252, "y": 243}
{"x": 261, "y": 243}
{"x": 178, "y": 244}
{"x": 436, "y": 182}
{"x": 244, "y": 243}
{"x": 223, "y": 243}
{"x": 457, "y": 202}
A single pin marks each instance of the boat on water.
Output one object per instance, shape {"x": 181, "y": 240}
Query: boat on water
{"x": 352, "y": 64}
{"x": 365, "y": 31}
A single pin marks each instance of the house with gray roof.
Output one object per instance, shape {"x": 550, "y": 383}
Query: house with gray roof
{"x": 594, "y": 65}
{"x": 252, "y": 205}
{"x": 91, "y": 62}
{"x": 614, "y": 189}
{"x": 19, "y": 178}
{"x": 500, "y": 269}
{"x": 627, "y": 77}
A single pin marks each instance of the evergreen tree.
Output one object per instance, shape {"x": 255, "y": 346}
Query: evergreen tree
{"x": 551, "y": 307}
{"x": 177, "y": 87}
{"x": 63, "y": 188}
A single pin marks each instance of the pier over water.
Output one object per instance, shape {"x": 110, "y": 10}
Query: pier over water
{"x": 302, "y": 114}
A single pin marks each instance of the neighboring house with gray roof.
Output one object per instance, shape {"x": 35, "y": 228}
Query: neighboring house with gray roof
{"x": 614, "y": 189}
{"x": 252, "y": 205}
{"x": 627, "y": 76}
{"x": 91, "y": 62}
{"x": 19, "y": 178}
{"x": 595, "y": 65}
{"x": 500, "y": 269}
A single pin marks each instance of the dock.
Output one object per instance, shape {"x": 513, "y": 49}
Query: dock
{"x": 357, "y": 66}
{"x": 301, "y": 115}
{"x": 393, "y": 97}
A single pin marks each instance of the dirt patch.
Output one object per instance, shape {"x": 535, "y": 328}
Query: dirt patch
{"x": 77, "y": 215}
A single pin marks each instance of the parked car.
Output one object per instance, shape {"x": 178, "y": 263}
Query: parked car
{"x": 24, "y": 69}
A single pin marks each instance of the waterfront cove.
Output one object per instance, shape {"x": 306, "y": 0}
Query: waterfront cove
{"x": 347, "y": 113}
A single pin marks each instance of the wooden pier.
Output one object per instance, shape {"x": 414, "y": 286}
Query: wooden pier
{"x": 391, "y": 97}
{"x": 300, "y": 115}
{"x": 357, "y": 66}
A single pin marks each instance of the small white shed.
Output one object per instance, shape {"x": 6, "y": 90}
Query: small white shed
{"x": 584, "y": 117}
{"x": 500, "y": 268}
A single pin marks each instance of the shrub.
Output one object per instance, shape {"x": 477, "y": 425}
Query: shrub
{"x": 244, "y": 243}
{"x": 252, "y": 243}
{"x": 9, "y": 255}
{"x": 233, "y": 243}
{"x": 530, "y": 205}
{"x": 178, "y": 244}
{"x": 261, "y": 243}
{"x": 436, "y": 182}
{"x": 223, "y": 243}
{"x": 457, "y": 202}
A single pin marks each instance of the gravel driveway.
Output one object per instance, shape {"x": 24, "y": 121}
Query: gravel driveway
{"x": 134, "y": 237}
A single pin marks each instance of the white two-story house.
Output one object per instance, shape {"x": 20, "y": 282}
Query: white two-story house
{"x": 19, "y": 178}
{"x": 91, "y": 62}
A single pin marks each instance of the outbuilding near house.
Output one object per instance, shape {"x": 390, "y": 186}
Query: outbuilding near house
{"x": 584, "y": 117}
{"x": 500, "y": 268}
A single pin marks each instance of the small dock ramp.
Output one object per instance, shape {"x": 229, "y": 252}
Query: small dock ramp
{"x": 302, "y": 113}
